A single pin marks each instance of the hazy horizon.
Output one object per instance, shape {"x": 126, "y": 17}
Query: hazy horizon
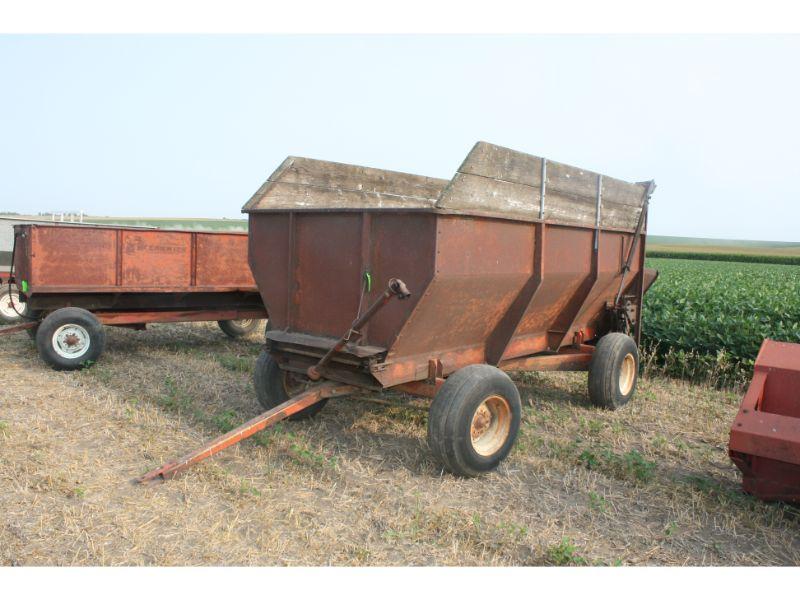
{"x": 190, "y": 126}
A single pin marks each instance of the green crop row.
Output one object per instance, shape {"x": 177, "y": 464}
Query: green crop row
{"x": 707, "y": 315}
{"x": 725, "y": 257}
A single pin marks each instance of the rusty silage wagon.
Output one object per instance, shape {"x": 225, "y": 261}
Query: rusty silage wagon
{"x": 77, "y": 278}
{"x": 380, "y": 280}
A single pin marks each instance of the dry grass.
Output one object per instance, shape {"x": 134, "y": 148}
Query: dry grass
{"x": 650, "y": 484}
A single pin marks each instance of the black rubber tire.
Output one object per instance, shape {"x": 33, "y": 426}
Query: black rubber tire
{"x": 268, "y": 379}
{"x": 451, "y": 414}
{"x": 8, "y": 315}
{"x": 236, "y": 329}
{"x": 70, "y": 316}
{"x": 605, "y": 371}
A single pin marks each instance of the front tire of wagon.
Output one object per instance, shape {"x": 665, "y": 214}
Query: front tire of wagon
{"x": 236, "y": 328}
{"x": 70, "y": 338}
{"x": 12, "y": 308}
{"x": 474, "y": 420}
{"x": 614, "y": 371}
{"x": 275, "y": 386}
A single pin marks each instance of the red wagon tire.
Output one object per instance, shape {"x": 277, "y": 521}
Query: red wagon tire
{"x": 275, "y": 386}
{"x": 474, "y": 420}
{"x": 613, "y": 372}
{"x": 70, "y": 338}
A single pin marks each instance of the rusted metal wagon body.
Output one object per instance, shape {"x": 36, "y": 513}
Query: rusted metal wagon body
{"x": 517, "y": 263}
{"x": 12, "y": 308}
{"x": 765, "y": 436}
{"x": 88, "y": 276}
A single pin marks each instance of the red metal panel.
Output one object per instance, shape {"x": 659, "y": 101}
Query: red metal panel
{"x": 327, "y": 278}
{"x": 269, "y": 249}
{"x": 610, "y": 261}
{"x": 567, "y": 266}
{"x": 474, "y": 281}
{"x": 72, "y": 257}
{"x": 153, "y": 259}
{"x": 219, "y": 261}
{"x": 765, "y": 436}
{"x": 481, "y": 265}
{"x": 402, "y": 246}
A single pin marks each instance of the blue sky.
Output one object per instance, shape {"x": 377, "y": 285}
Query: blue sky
{"x": 189, "y": 125}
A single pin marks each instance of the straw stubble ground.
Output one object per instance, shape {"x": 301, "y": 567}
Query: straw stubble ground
{"x": 650, "y": 484}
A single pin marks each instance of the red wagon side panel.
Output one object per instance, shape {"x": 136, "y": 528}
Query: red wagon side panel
{"x": 57, "y": 259}
{"x": 65, "y": 257}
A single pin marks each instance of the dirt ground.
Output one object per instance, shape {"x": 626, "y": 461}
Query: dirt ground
{"x": 650, "y": 484}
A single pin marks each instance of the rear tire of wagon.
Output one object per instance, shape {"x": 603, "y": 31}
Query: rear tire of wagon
{"x": 70, "y": 338}
{"x": 275, "y": 386}
{"x": 474, "y": 420}
{"x": 9, "y": 301}
{"x": 236, "y": 328}
{"x": 613, "y": 372}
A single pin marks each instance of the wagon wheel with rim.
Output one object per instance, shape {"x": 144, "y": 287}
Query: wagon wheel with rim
{"x": 614, "y": 371}
{"x": 236, "y": 328}
{"x": 70, "y": 338}
{"x": 474, "y": 420}
{"x": 274, "y": 386}
{"x": 12, "y": 308}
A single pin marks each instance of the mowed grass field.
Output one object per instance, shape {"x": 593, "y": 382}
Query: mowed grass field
{"x": 649, "y": 484}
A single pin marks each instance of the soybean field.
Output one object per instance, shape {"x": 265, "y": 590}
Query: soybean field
{"x": 708, "y": 318}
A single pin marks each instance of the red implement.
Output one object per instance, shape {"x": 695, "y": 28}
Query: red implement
{"x": 765, "y": 437}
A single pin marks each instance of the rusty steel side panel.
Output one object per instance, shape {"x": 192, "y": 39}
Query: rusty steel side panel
{"x": 483, "y": 289}
{"x": 566, "y": 269}
{"x": 481, "y": 264}
{"x": 219, "y": 261}
{"x": 310, "y": 268}
{"x": 71, "y": 258}
{"x": 269, "y": 249}
{"x": 612, "y": 252}
{"x": 155, "y": 259}
{"x": 64, "y": 260}
{"x": 327, "y": 277}
{"x": 403, "y": 246}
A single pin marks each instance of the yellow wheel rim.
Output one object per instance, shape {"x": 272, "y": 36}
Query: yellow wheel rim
{"x": 627, "y": 374}
{"x": 491, "y": 424}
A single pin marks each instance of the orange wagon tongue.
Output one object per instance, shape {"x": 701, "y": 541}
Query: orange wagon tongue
{"x": 253, "y": 426}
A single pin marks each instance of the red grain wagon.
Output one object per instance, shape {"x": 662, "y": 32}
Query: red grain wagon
{"x": 76, "y": 278}
{"x": 517, "y": 263}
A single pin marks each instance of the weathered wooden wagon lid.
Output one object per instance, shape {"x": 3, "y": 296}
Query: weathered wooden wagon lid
{"x": 492, "y": 181}
{"x": 308, "y": 184}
